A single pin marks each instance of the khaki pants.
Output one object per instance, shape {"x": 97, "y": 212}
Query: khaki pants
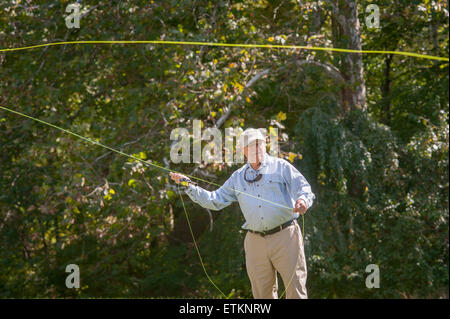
{"x": 282, "y": 252}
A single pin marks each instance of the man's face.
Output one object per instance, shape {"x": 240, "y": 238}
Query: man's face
{"x": 254, "y": 152}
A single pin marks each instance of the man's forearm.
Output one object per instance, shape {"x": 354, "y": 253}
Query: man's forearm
{"x": 199, "y": 196}
{"x": 215, "y": 200}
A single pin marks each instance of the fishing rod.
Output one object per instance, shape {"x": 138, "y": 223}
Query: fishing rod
{"x": 184, "y": 182}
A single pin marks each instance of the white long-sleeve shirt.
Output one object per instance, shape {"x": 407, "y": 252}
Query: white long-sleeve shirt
{"x": 266, "y": 203}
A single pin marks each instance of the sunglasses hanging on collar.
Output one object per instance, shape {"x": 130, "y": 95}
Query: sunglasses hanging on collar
{"x": 257, "y": 178}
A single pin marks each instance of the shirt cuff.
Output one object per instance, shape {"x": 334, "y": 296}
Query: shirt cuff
{"x": 189, "y": 189}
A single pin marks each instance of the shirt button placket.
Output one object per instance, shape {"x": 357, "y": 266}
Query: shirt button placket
{"x": 261, "y": 212}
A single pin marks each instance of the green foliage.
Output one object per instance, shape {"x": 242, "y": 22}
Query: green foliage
{"x": 380, "y": 175}
{"x": 375, "y": 205}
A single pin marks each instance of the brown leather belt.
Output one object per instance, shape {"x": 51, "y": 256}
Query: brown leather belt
{"x": 274, "y": 230}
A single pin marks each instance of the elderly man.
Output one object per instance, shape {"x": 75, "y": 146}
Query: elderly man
{"x": 264, "y": 187}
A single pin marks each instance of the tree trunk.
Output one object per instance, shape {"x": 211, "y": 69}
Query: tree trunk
{"x": 346, "y": 35}
{"x": 386, "y": 90}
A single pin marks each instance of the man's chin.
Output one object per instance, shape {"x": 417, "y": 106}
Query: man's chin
{"x": 253, "y": 159}
{"x": 255, "y": 162}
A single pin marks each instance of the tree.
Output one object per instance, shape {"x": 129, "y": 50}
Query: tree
{"x": 346, "y": 34}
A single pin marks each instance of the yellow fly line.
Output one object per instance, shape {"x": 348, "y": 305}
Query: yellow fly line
{"x": 242, "y": 45}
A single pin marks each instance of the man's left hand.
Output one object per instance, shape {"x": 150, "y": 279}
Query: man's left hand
{"x": 300, "y": 207}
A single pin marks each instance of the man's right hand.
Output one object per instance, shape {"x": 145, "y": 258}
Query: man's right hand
{"x": 177, "y": 177}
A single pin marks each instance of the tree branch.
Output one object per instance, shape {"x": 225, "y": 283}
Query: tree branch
{"x": 330, "y": 69}
{"x": 252, "y": 81}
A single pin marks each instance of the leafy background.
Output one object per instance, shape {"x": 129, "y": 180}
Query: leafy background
{"x": 379, "y": 169}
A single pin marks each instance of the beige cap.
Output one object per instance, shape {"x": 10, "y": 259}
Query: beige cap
{"x": 250, "y": 135}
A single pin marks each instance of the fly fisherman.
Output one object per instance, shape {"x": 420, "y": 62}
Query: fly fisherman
{"x": 264, "y": 187}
